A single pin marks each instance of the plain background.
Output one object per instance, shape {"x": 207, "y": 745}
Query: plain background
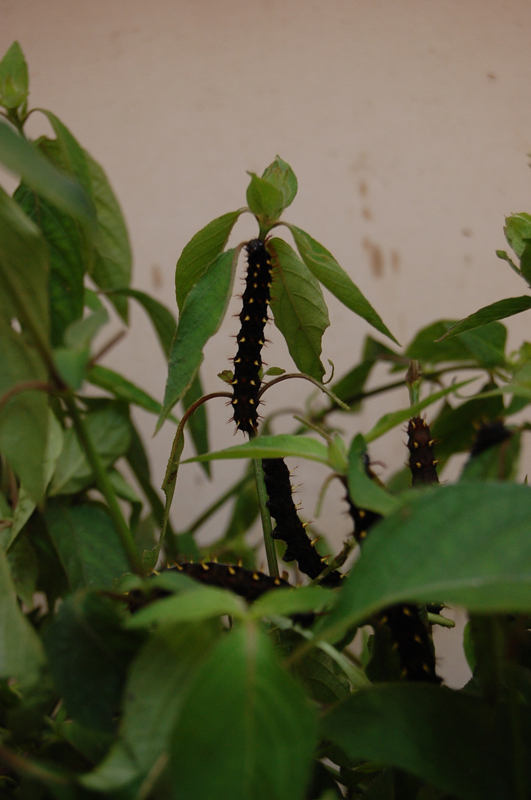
{"x": 407, "y": 123}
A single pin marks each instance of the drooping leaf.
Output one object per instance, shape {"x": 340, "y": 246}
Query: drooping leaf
{"x": 326, "y": 269}
{"x": 267, "y": 749}
{"x": 200, "y": 251}
{"x": 280, "y": 175}
{"x": 162, "y": 319}
{"x": 87, "y": 543}
{"x": 24, "y": 418}
{"x": 124, "y": 389}
{"x": 14, "y": 83}
{"x": 499, "y": 310}
{"x": 299, "y": 308}
{"x": 201, "y": 317}
{"x": 111, "y": 268}
{"x": 110, "y": 430}
{"x": 517, "y": 231}
{"x": 272, "y": 447}
{"x": 416, "y": 554}
{"x": 20, "y": 157}
{"x": 21, "y": 652}
{"x": 456, "y": 742}
{"x": 285, "y": 602}
{"x": 73, "y": 158}
{"x": 428, "y": 348}
{"x": 203, "y": 603}
{"x": 264, "y": 198}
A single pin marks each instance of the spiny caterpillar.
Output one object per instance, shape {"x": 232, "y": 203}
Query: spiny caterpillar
{"x": 253, "y": 318}
{"x": 289, "y": 527}
{"x": 422, "y": 464}
{"x": 249, "y": 584}
{"x": 409, "y": 633}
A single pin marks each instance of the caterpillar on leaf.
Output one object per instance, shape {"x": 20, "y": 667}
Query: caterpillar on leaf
{"x": 253, "y": 318}
{"x": 421, "y": 462}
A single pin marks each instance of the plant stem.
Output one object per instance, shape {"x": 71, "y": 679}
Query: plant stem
{"x": 234, "y": 489}
{"x": 269, "y": 542}
{"x": 104, "y": 485}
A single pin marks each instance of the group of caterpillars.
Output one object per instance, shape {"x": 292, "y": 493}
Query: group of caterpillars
{"x": 406, "y": 624}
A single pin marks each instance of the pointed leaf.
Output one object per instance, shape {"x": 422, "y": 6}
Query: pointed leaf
{"x": 204, "y": 602}
{"x": 299, "y": 308}
{"x": 416, "y": 554}
{"x": 500, "y": 310}
{"x": 124, "y": 390}
{"x": 282, "y": 177}
{"x": 265, "y": 753}
{"x": 272, "y": 447}
{"x": 201, "y": 317}
{"x": 517, "y": 231}
{"x": 456, "y": 742}
{"x": 14, "y": 84}
{"x": 326, "y": 269}
{"x": 200, "y": 251}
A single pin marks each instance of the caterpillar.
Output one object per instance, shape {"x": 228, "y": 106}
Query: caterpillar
{"x": 488, "y": 435}
{"x": 247, "y": 583}
{"x": 409, "y": 633}
{"x": 289, "y": 527}
{"x": 253, "y": 318}
{"x": 422, "y": 464}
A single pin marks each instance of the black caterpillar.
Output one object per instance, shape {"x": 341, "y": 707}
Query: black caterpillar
{"x": 253, "y": 318}
{"x": 488, "y": 435}
{"x": 409, "y": 633}
{"x": 248, "y": 583}
{"x": 422, "y": 464}
{"x": 289, "y": 527}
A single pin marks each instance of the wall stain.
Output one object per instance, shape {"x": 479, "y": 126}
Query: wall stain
{"x": 156, "y": 276}
{"x": 376, "y": 261}
{"x": 395, "y": 261}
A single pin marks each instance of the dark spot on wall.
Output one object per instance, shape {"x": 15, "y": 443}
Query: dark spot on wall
{"x": 363, "y": 189}
{"x": 467, "y": 231}
{"x": 492, "y": 76}
{"x": 366, "y": 213}
{"x": 156, "y": 276}
{"x": 395, "y": 261}
{"x": 376, "y": 261}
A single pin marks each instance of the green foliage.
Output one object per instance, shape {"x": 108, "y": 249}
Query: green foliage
{"x": 124, "y": 682}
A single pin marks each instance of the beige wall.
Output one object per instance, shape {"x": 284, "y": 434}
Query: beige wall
{"x": 408, "y": 125}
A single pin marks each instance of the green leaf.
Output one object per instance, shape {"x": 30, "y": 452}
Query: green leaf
{"x": 428, "y": 348}
{"x": 264, "y": 199}
{"x": 363, "y": 491}
{"x": 20, "y": 648}
{"x": 26, "y": 504}
{"x": 456, "y": 742}
{"x": 89, "y": 654}
{"x": 20, "y": 157}
{"x": 487, "y": 344}
{"x": 389, "y": 421}
{"x": 24, "y": 418}
{"x": 24, "y": 270}
{"x": 416, "y": 554}
{"x": 111, "y": 268}
{"x": 326, "y": 269}
{"x": 497, "y": 463}
{"x": 272, "y": 447}
{"x": 280, "y": 175}
{"x": 72, "y": 360}
{"x": 157, "y": 682}
{"x": 14, "y": 83}
{"x": 299, "y": 308}
{"x": 198, "y": 422}
{"x": 24, "y": 568}
{"x": 322, "y": 679}
{"x": 517, "y": 231}
{"x": 203, "y": 603}
{"x": 201, "y": 317}
{"x": 124, "y": 390}
{"x": 73, "y": 158}
{"x": 266, "y": 751}
{"x": 285, "y": 602}
{"x": 110, "y": 431}
{"x": 200, "y": 251}
{"x": 525, "y": 263}
{"x": 88, "y": 546}
{"x": 499, "y": 310}
{"x": 162, "y": 319}
{"x": 455, "y": 429}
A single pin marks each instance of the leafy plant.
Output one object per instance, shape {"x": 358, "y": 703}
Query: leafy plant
{"x": 204, "y": 678}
